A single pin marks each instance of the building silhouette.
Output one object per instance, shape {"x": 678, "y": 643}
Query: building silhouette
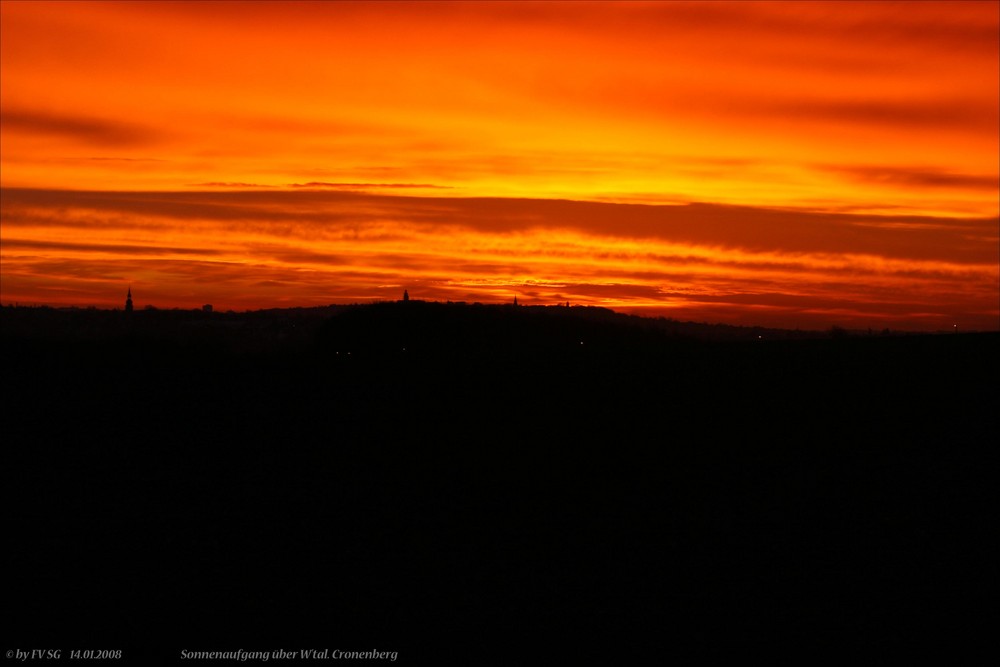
{"x": 406, "y": 295}
{"x": 128, "y": 300}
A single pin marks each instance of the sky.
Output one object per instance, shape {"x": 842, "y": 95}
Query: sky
{"x": 790, "y": 164}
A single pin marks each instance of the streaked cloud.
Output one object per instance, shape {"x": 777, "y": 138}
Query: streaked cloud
{"x": 234, "y": 186}
{"x": 76, "y": 128}
{"x": 265, "y": 248}
{"x": 321, "y": 185}
{"x": 118, "y": 248}
{"x": 918, "y": 176}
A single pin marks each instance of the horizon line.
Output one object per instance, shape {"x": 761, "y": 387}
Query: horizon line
{"x": 208, "y": 309}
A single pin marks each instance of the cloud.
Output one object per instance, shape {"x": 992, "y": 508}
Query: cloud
{"x": 261, "y": 248}
{"x": 317, "y": 214}
{"x": 119, "y": 159}
{"x": 108, "y": 248}
{"x": 368, "y": 186}
{"x": 595, "y": 102}
{"x": 84, "y": 129}
{"x": 919, "y": 177}
{"x": 913, "y": 113}
{"x": 235, "y": 186}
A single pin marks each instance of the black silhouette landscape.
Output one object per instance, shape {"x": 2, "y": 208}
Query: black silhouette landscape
{"x": 266, "y": 386}
{"x": 437, "y": 478}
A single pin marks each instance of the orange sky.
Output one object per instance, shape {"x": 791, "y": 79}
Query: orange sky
{"x": 790, "y": 164}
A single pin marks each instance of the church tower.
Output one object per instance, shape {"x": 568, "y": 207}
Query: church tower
{"x": 128, "y": 300}
{"x": 406, "y": 295}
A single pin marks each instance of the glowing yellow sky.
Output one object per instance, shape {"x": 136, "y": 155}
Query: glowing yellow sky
{"x": 842, "y": 141}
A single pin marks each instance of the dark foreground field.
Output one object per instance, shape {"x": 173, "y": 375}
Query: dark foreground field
{"x": 494, "y": 490}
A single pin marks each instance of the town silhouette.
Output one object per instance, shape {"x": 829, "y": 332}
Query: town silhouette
{"x": 448, "y": 475}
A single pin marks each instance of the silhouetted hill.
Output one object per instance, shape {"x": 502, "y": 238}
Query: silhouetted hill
{"x": 467, "y": 330}
{"x": 386, "y": 326}
{"x": 239, "y": 479}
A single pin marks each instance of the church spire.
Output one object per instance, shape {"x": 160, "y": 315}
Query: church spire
{"x": 128, "y": 300}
